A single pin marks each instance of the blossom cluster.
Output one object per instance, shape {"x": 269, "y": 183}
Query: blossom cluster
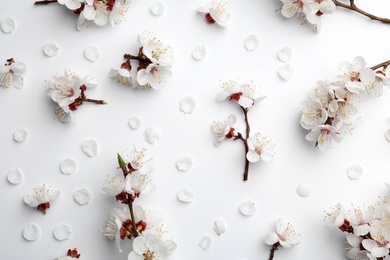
{"x": 309, "y": 11}
{"x": 99, "y": 12}
{"x": 68, "y": 92}
{"x": 132, "y": 221}
{"x": 257, "y": 147}
{"x": 155, "y": 60}
{"x": 331, "y": 110}
{"x": 367, "y": 230}
{"x": 216, "y": 12}
{"x": 11, "y": 74}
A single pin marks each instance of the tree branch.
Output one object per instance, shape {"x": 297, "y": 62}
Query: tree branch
{"x": 354, "y": 8}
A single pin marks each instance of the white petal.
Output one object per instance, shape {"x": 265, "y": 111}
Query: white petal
{"x": 379, "y": 252}
{"x": 188, "y": 105}
{"x": 358, "y": 63}
{"x": 252, "y": 156}
{"x": 62, "y": 232}
{"x": 248, "y": 208}
{"x": 73, "y": 4}
{"x": 252, "y": 42}
{"x": 271, "y": 238}
{"x": 281, "y": 225}
{"x": 89, "y": 147}
{"x": 205, "y": 242}
{"x": 134, "y": 122}
{"x": 286, "y": 71}
{"x": 369, "y": 244}
{"x": 355, "y": 171}
{"x": 15, "y": 176}
{"x": 68, "y": 166}
{"x": 20, "y": 134}
{"x": 152, "y": 135}
{"x": 345, "y": 67}
{"x": 387, "y": 135}
{"x": 185, "y": 195}
{"x": 92, "y": 53}
{"x": 134, "y": 256}
{"x": 31, "y": 232}
{"x": 51, "y": 49}
{"x": 82, "y": 196}
{"x": 89, "y": 12}
{"x": 184, "y": 163}
{"x": 285, "y": 54}
{"x": 199, "y": 53}
{"x": 157, "y": 8}
{"x": 8, "y": 25}
{"x": 220, "y": 226}
{"x": 101, "y": 18}
{"x": 303, "y": 190}
{"x": 353, "y": 240}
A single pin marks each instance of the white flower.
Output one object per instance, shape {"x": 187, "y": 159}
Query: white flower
{"x": 379, "y": 245}
{"x": 244, "y": 94}
{"x": 151, "y": 247}
{"x": 153, "y": 76}
{"x": 112, "y": 230}
{"x": 63, "y": 116}
{"x": 324, "y": 92}
{"x": 335, "y": 219}
{"x": 96, "y": 11}
{"x": 71, "y": 4}
{"x": 343, "y": 107}
{"x": 223, "y": 130}
{"x": 361, "y": 221}
{"x": 216, "y": 12}
{"x": 260, "y": 148}
{"x": 156, "y": 51}
{"x": 11, "y": 74}
{"x": 122, "y": 74}
{"x": 285, "y": 235}
{"x": 41, "y": 197}
{"x": 292, "y": 7}
{"x": 353, "y": 244}
{"x": 323, "y": 135}
{"x": 356, "y": 75}
{"x": 323, "y": 6}
{"x": 114, "y": 186}
{"x": 136, "y": 183}
{"x": 376, "y": 87}
{"x": 135, "y": 158}
{"x": 118, "y": 12}
{"x": 313, "y": 114}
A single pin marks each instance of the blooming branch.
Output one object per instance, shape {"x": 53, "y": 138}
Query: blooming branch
{"x": 352, "y": 6}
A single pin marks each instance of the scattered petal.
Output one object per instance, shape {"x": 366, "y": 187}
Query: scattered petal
{"x": 303, "y": 190}
{"x": 205, "y": 242}
{"x": 31, "y": 232}
{"x": 152, "y": 135}
{"x": 188, "y": 105}
{"x": 51, "y": 49}
{"x": 82, "y": 196}
{"x": 387, "y": 135}
{"x": 134, "y": 122}
{"x": 90, "y": 147}
{"x": 252, "y": 42}
{"x": 285, "y": 54}
{"x": 286, "y": 71}
{"x": 62, "y": 232}
{"x": 185, "y": 195}
{"x": 8, "y": 25}
{"x": 15, "y": 176}
{"x": 68, "y": 166}
{"x": 199, "y": 53}
{"x": 220, "y": 226}
{"x": 157, "y": 8}
{"x": 20, "y": 134}
{"x": 92, "y": 53}
{"x": 184, "y": 163}
{"x": 355, "y": 171}
{"x": 248, "y": 208}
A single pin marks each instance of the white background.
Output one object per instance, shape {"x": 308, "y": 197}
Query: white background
{"x": 216, "y": 177}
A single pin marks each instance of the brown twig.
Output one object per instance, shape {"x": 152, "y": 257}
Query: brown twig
{"x": 45, "y": 2}
{"x": 248, "y": 129}
{"x": 272, "y": 251}
{"x": 354, "y": 8}
{"x": 381, "y": 65}
{"x": 102, "y": 102}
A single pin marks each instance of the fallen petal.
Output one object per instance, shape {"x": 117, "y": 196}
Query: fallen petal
{"x": 184, "y": 163}
{"x": 355, "y": 171}
{"x": 188, "y": 105}
{"x": 248, "y": 208}
{"x": 15, "y": 176}
{"x": 51, "y": 49}
{"x": 68, "y": 166}
{"x": 303, "y": 190}
{"x": 92, "y": 53}
{"x": 152, "y": 135}
{"x": 82, "y": 196}
{"x": 134, "y": 122}
{"x": 157, "y": 8}
{"x": 285, "y": 54}
{"x": 20, "y": 134}
{"x": 89, "y": 147}
{"x": 185, "y": 195}
{"x": 199, "y": 53}
{"x": 205, "y": 242}
{"x": 286, "y": 71}
{"x": 8, "y": 25}
{"x": 220, "y": 226}
{"x": 31, "y": 232}
{"x": 62, "y": 232}
{"x": 387, "y": 135}
{"x": 252, "y": 42}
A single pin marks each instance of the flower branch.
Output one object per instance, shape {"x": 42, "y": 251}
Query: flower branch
{"x": 45, "y": 2}
{"x": 352, "y": 6}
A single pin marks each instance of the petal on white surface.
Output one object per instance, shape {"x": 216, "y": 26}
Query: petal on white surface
{"x": 15, "y": 176}
{"x": 184, "y": 163}
{"x": 82, "y": 196}
{"x": 387, "y": 135}
{"x": 92, "y": 53}
{"x": 8, "y": 25}
{"x": 31, "y": 232}
{"x": 286, "y": 71}
{"x": 285, "y": 54}
{"x": 199, "y": 53}
{"x": 134, "y": 122}
{"x": 303, "y": 190}
{"x": 271, "y": 238}
{"x": 157, "y": 8}
{"x": 62, "y": 232}
{"x": 185, "y": 195}
{"x": 90, "y": 147}
{"x": 51, "y": 49}
{"x": 252, "y": 42}
{"x": 68, "y": 166}
{"x": 205, "y": 243}
{"x": 355, "y": 171}
{"x": 20, "y": 134}
{"x": 248, "y": 208}
{"x": 152, "y": 135}
{"x": 188, "y": 105}
{"x": 220, "y": 226}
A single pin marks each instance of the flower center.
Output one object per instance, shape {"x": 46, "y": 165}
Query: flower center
{"x": 148, "y": 255}
{"x": 354, "y": 76}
